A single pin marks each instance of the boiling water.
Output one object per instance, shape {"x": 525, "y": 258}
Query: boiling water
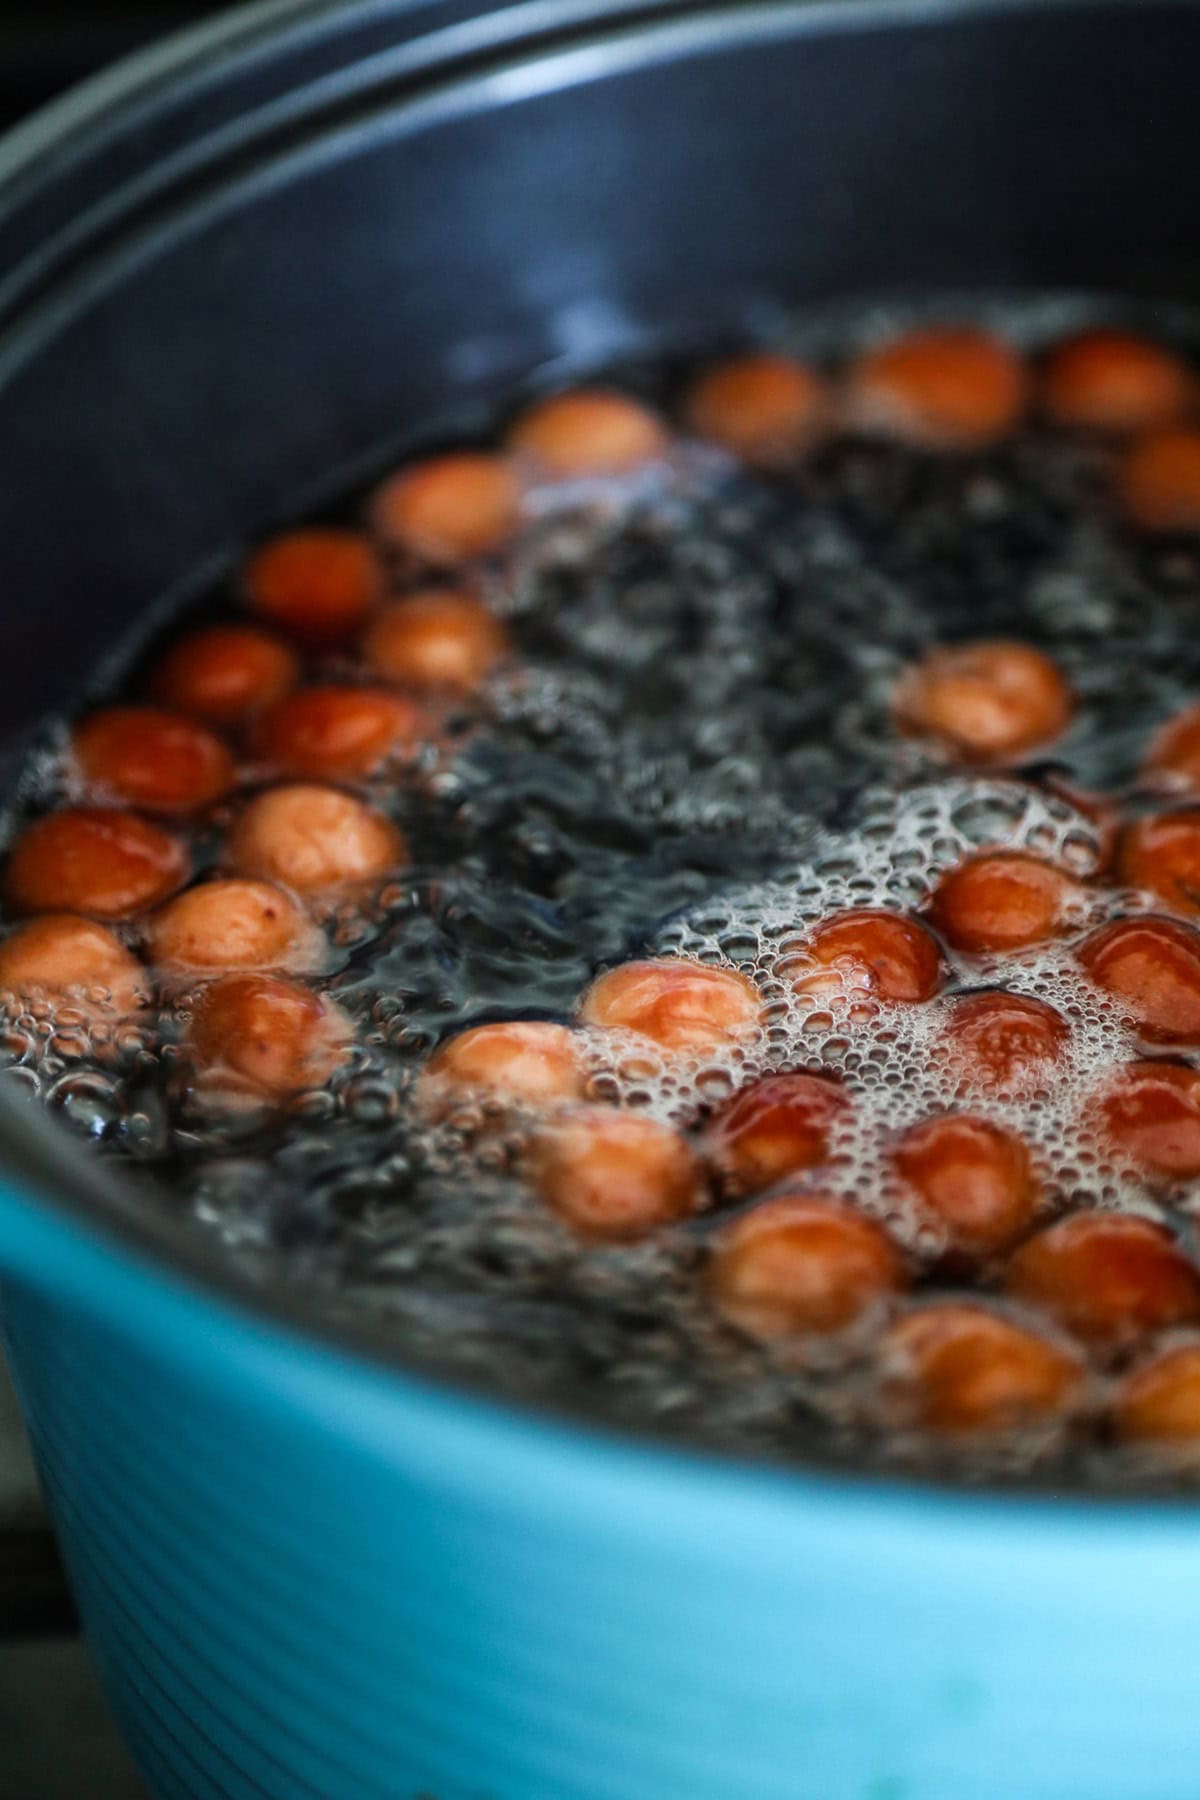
{"x": 692, "y": 754}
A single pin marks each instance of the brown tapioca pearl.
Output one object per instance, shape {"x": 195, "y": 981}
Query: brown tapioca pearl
{"x": 529, "y": 1063}
{"x": 1114, "y": 382}
{"x": 225, "y": 674}
{"x": 338, "y": 733}
{"x": 1005, "y": 900}
{"x": 93, "y": 860}
{"x": 1109, "y": 1278}
{"x": 866, "y": 953}
{"x": 975, "y": 1180}
{"x": 589, "y": 431}
{"x": 450, "y": 509}
{"x": 681, "y": 1006}
{"x": 777, "y": 1126}
{"x": 1157, "y": 482}
{"x": 226, "y": 926}
{"x": 1002, "y": 1042}
{"x": 317, "y": 585}
{"x": 439, "y": 639}
{"x": 987, "y": 702}
{"x": 59, "y": 955}
{"x": 764, "y": 408}
{"x": 1174, "y": 754}
{"x": 1151, "y": 967}
{"x": 314, "y": 839}
{"x": 1161, "y": 853}
{"x": 254, "y": 1038}
{"x": 1151, "y": 1115}
{"x": 615, "y": 1175}
{"x": 1158, "y": 1402}
{"x": 949, "y": 388}
{"x": 149, "y": 758}
{"x": 803, "y": 1264}
{"x": 959, "y": 1368}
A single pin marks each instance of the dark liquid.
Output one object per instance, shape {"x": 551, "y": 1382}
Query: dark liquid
{"x": 693, "y": 752}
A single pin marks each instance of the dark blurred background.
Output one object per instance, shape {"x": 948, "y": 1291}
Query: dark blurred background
{"x": 45, "y": 49}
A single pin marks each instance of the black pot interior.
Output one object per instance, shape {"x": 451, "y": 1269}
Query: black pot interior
{"x": 294, "y": 286}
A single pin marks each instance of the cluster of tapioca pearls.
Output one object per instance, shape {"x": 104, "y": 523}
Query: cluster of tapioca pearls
{"x": 960, "y": 389}
{"x": 243, "y": 730}
{"x": 807, "y": 1263}
{"x": 239, "y": 703}
{"x": 234, "y": 704}
{"x": 103, "y": 881}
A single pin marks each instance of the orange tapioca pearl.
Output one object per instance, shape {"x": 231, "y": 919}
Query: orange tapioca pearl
{"x": 1157, "y": 481}
{"x": 1004, "y": 900}
{"x": 439, "y": 639}
{"x": 1006, "y": 1043}
{"x": 1162, "y": 854}
{"x": 802, "y": 1264}
{"x": 254, "y": 1037}
{"x": 764, "y": 408}
{"x": 450, "y": 509}
{"x": 1108, "y": 1278}
{"x": 987, "y": 702}
{"x": 1151, "y": 967}
{"x": 147, "y": 757}
{"x": 317, "y": 585}
{"x": 224, "y": 926}
{"x": 337, "y": 733}
{"x": 941, "y": 389}
{"x": 93, "y": 860}
{"x": 588, "y": 431}
{"x": 958, "y": 1367}
{"x": 313, "y": 839}
{"x": 1174, "y": 753}
{"x": 870, "y": 954}
{"x": 615, "y": 1175}
{"x": 1151, "y": 1114}
{"x": 778, "y": 1126}
{"x": 1159, "y": 1401}
{"x": 682, "y": 1006}
{"x": 1114, "y": 382}
{"x": 530, "y": 1063}
{"x": 973, "y": 1177}
{"x": 225, "y": 674}
{"x": 60, "y": 956}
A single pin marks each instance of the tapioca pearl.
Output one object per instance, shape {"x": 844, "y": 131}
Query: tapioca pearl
{"x": 1151, "y": 968}
{"x": 146, "y": 757}
{"x": 944, "y": 389}
{"x": 451, "y": 509}
{"x": 991, "y": 701}
{"x": 1109, "y": 1278}
{"x": 1115, "y": 383}
{"x": 805, "y": 1264}
{"x": 681, "y": 1005}
{"x": 960, "y": 1368}
{"x": 102, "y": 861}
{"x": 316, "y": 585}
{"x": 615, "y": 1175}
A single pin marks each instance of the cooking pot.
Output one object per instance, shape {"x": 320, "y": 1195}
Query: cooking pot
{"x": 258, "y": 255}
